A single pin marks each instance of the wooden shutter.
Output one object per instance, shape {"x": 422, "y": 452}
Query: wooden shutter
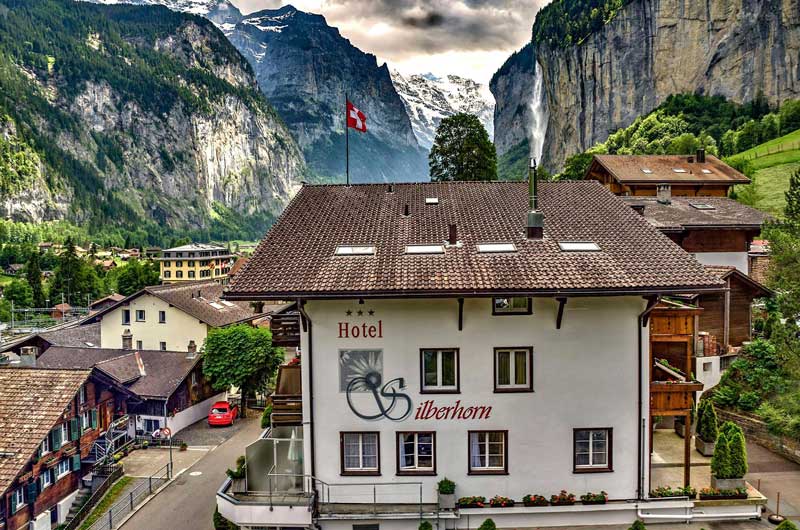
{"x": 13, "y": 502}
{"x": 55, "y": 438}
{"x": 74, "y": 429}
{"x": 31, "y": 492}
{"x": 76, "y": 462}
{"x": 94, "y": 418}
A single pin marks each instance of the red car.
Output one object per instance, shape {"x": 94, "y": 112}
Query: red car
{"x": 222, "y": 413}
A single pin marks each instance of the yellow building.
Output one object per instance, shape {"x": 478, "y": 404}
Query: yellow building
{"x": 193, "y": 262}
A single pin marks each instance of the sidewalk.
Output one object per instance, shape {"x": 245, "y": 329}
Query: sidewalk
{"x": 145, "y": 462}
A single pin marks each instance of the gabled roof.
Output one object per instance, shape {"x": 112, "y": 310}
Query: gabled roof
{"x": 32, "y": 401}
{"x": 195, "y": 299}
{"x": 297, "y": 258}
{"x": 113, "y": 297}
{"x": 683, "y": 213}
{"x": 724, "y": 272}
{"x": 163, "y": 370}
{"x": 68, "y": 334}
{"x": 660, "y": 169}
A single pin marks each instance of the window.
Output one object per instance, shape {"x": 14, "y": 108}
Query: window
{"x": 347, "y": 250}
{"x": 18, "y": 499}
{"x": 487, "y": 452}
{"x": 126, "y": 314}
{"x": 167, "y": 274}
{"x": 86, "y": 421}
{"x": 678, "y": 170}
{"x": 431, "y": 200}
{"x": 179, "y": 263}
{"x": 493, "y": 248}
{"x": 62, "y": 468}
{"x": 166, "y": 263}
{"x": 46, "y": 478}
{"x": 151, "y": 426}
{"x": 140, "y": 315}
{"x": 355, "y": 366}
{"x": 592, "y": 450}
{"x": 513, "y": 370}
{"x": 44, "y": 448}
{"x": 706, "y": 171}
{"x": 416, "y": 453}
{"x": 82, "y": 395}
{"x": 424, "y": 249}
{"x": 701, "y": 206}
{"x": 578, "y": 246}
{"x": 162, "y": 346}
{"x": 179, "y": 274}
{"x": 360, "y": 453}
{"x": 139, "y": 345}
{"x": 512, "y": 306}
{"x": 162, "y": 317}
{"x": 64, "y": 433}
{"x": 647, "y": 171}
{"x": 439, "y": 370}
{"x": 191, "y": 274}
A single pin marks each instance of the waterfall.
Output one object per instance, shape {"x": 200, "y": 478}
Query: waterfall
{"x": 539, "y": 115}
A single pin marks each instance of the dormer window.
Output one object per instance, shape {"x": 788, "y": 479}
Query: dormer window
{"x": 425, "y": 249}
{"x": 578, "y": 246}
{"x": 363, "y": 250}
{"x": 701, "y": 206}
{"x": 494, "y": 248}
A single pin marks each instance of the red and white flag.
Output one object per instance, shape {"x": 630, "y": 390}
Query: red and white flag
{"x": 355, "y": 118}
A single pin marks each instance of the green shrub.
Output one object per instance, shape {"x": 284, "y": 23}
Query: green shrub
{"x": 748, "y": 401}
{"x": 721, "y": 460}
{"x": 425, "y": 525}
{"x": 786, "y": 525}
{"x": 738, "y": 455}
{"x": 446, "y": 486}
{"x": 220, "y": 523}
{"x": 239, "y": 472}
{"x": 637, "y": 525}
{"x": 726, "y": 396}
{"x": 488, "y": 524}
{"x": 707, "y": 422}
{"x": 265, "y": 416}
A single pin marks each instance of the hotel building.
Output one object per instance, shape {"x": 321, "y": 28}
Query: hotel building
{"x": 196, "y": 261}
{"x": 464, "y": 331}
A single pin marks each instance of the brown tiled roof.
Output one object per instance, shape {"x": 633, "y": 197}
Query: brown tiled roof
{"x": 680, "y": 214}
{"x": 83, "y": 336}
{"x": 164, "y": 370}
{"x": 31, "y": 403}
{"x": 627, "y": 169}
{"x": 237, "y": 265}
{"x": 722, "y": 272}
{"x": 296, "y": 258}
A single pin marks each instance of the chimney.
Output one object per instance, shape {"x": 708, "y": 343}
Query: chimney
{"x": 638, "y": 208}
{"x": 690, "y": 159}
{"x": 27, "y": 355}
{"x": 127, "y": 340}
{"x": 664, "y": 193}
{"x": 191, "y": 351}
{"x": 406, "y": 211}
{"x": 535, "y": 226}
{"x": 391, "y": 189}
{"x": 452, "y": 234}
{"x": 701, "y": 156}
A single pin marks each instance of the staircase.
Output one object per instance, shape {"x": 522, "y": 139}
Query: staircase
{"x": 111, "y": 442}
{"x": 287, "y": 401}
{"x": 78, "y": 502}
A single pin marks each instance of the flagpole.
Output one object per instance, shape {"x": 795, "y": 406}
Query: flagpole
{"x": 346, "y": 142}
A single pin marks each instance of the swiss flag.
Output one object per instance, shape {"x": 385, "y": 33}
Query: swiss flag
{"x": 355, "y": 118}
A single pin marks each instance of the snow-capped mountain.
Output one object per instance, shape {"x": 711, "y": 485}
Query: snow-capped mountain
{"x": 221, "y": 12}
{"x": 428, "y": 99}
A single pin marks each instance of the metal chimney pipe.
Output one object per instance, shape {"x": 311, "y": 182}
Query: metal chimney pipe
{"x": 535, "y": 225}
{"x": 533, "y": 200}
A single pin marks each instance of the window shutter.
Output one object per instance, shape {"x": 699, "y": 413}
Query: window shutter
{"x": 76, "y": 462}
{"x": 55, "y": 436}
{"x": 94, "y": 418}
{"x": 31, "y": 492}
{"x": 74, "y": 429}
{"x": 13, "y": 502}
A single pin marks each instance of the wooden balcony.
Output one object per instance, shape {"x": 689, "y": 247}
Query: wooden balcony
{"x": 285, "y": 328}
{"x": 287, "y": 401}
{"x": 672, "y": 398}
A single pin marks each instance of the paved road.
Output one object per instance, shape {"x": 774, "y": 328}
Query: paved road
{"x": 189, "y": 502}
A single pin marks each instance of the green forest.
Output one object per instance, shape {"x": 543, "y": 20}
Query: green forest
{"x": 564, "y": 23}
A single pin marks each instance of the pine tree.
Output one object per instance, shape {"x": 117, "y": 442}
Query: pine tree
{"x": 462, "y": 150}
{"x": 33, "y": 273}
{"x": 792, "y": 208}
{"x": 721, "y": 461}
{"x": 488, "y": 524}
{"x": 707, "y": 422}
{"x": 738, "y": 455}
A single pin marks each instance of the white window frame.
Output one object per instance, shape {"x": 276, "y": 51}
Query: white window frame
{"x": 66, "y": 463}
{"x": 361, "y": 468}
{"x": 44, "y": 447}
{"x": 512, "y": 372}
{"x": 486, "y": 445}
{"x": 511, "y": 310}
{"x": 143, "y": 313}
{"x": 19, "y": 493}
{"x": 162, "y": 317}
{"x": 82, "y": 395}
{"x": 416, "y": 468}
{"x": 438, "y": 387}
{"x": 64, "y": 433}
{"x": 86, "y": 420}
{"x": 607, "y": 452}
{"x": 46, "y": 475}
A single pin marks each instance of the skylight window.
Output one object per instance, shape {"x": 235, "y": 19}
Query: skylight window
{"x": 494, "y": 248}
{"x": 345, "y": 250}
{"x": 578, "y": 246}
{"x": 215, "y": 305}
{"x": 425, "y": 249}
{"x": 678, "y": 170}
{"x": 647, "y": 171}
{"x": 225, "y": 302}
{"x": 431, "y": 200}
{"x": 707, "y": 171}
{"x": 702, "y": 206}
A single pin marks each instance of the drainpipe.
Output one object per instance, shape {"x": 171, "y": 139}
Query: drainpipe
{"x": 309, "y": 359}
{"x": 641, "y": 323}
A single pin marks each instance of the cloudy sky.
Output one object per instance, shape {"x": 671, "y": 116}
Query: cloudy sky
{"x": 471, "y": 38}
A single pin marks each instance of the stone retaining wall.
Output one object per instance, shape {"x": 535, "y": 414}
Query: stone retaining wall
{"x": 756, "y": 431}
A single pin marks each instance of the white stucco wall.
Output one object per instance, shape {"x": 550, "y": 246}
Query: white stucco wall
{"x": 585, "y": 376}
{"x": 64, "y": 505}
{"x": 193, "y": 414}
{"x": 177, "y": 331}
{"x": 729, "y": 259}
{"x": 41, "y": 522}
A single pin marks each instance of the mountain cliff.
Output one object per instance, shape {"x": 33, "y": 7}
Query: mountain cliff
{"x": 645, "y": 50}
{"x": 137, "y": 118}
{"x": 305, "y": 68}
{"x": 428, "y": 99}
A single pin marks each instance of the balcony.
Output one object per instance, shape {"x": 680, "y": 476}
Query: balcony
{"x": 285, "y": 328}
{"x": 671, "y": 392}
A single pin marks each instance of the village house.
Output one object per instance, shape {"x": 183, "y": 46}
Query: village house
{"x": 699, "y": 175}
{"x": 51, "y": 420}
{"x": 196, "y": 261}
{"x": 440, "y": 325}
{"x": 31, "y": 346}
{"x": 15, "y": 269}
{"x": 174, "y": 317}
{"x": 106, "y": 302}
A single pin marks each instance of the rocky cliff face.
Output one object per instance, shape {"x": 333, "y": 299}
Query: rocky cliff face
{"x": 512, "y": 87}
{"x": 305, "y": 68}
{"x": 654, "y": 48}
{"x": 206, "y": 141}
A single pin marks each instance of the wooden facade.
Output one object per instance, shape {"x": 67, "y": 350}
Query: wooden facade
{"x": 649, "y": 189}
{"x": 713, "y": 240}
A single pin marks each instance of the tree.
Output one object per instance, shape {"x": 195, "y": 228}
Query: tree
{"x": 240, "y": 356}
{"x": 73, "y": 278}
{"x": 790, "y": 116}
{"x": 33, "y": 273}
{"x": 707, "y": 422}
{"x": 792, "y": 208}
{"x": 462, "y": 150}
{"x": 19, "y": 292}
{"x": 685, "y": 144}
{"x": 488, "y": 524}
{"x": 728, "y": 143}
{"x": 136, "y": 275}
{"x": 721, "y": 460}
{"x": 738, "y": 454}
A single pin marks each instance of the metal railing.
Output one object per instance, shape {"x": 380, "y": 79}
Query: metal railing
{"x": 131, "y": 499}
{"x": 114, "y": 473}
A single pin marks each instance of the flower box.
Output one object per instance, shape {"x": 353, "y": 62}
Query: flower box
{"x": 713, "y": 494}
{"x": 703, "y": 447}
{"x": 594, "y": 498}
{"x": 562, "y": 499}
{"x": 535, "y": 500}
{"x": 727, "y": 484}
{"x": 501, "y": 502}
{"x": 472, "y": 502}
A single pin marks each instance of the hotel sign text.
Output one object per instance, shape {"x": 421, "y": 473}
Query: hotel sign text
{"x": 348, "y": 330}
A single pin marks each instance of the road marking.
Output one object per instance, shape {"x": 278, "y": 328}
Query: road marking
{"x": 195, "y": 473}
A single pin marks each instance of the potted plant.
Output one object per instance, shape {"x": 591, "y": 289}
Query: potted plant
{"x": 722, "y": 494}
{"x": 562, "y": 499}
{"x": 594, "y": 498}
{"x": 666, "y": 492}
{"x": 425, "y": 525}
{"x": 534, "y": 500}
{"x": 707, "y": 431}
{"x": 447, "y": 494}
{"x": 145, "y": 444}
{"x": 729, "y": 463}
{"x": 472, "y": 502}
{"x": 498, "y": 501}
{"x": 183, "y": 446}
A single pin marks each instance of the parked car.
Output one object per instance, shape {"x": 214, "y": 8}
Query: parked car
{"x": 222, "y": 413}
